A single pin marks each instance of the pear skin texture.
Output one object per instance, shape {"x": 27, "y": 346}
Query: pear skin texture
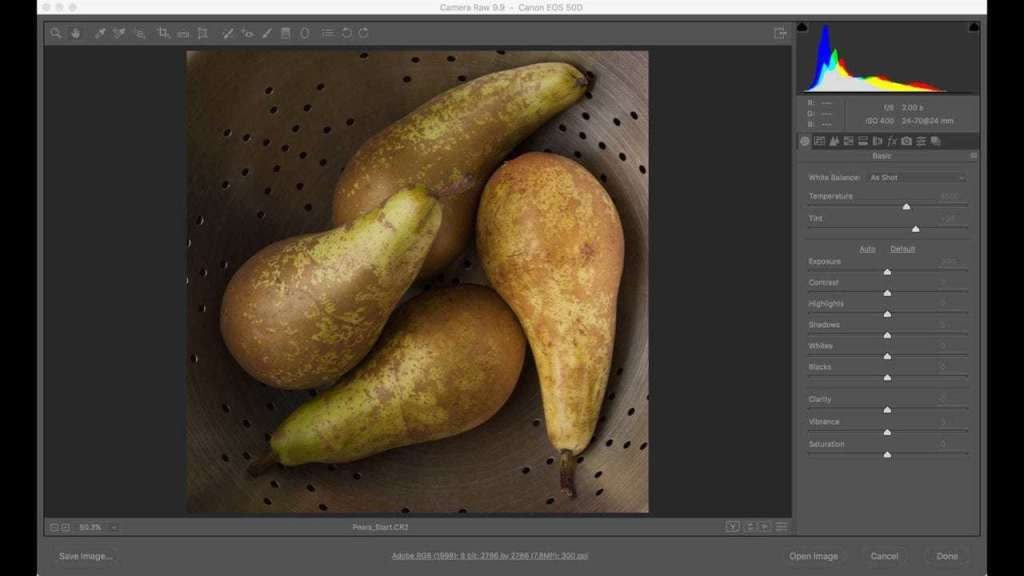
{"x": 551, "y": 243}
{"x": 305, "y": 310}
{"x": 451, "y": 144}
{"x": 447, "y": 362}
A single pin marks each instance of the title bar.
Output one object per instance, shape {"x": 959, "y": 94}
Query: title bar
{"x": 511, "y": 7}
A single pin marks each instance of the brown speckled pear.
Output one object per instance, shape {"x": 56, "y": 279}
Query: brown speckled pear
{"x": 551, "y": 242}
{"x": 451, "y": 144}
{"x": 303, "y": 311}
{"x": 447, "y": 361}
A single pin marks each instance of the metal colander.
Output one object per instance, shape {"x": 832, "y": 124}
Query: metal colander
{"x": 268, "y": 134}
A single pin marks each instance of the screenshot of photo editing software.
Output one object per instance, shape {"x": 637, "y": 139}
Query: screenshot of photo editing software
{"x": 512, "y": 287}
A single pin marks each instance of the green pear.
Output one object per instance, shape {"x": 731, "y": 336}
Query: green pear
{"x": 447, "y": 361}
{"x": 302, "y": 312}
{"x": 452, "y": 143}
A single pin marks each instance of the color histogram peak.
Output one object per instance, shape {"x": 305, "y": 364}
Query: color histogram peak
{"x": 832, "y": 75}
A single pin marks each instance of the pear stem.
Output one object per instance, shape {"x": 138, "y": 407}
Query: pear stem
{"x": 567, "y": 475}
{"x": 262, "y": 464}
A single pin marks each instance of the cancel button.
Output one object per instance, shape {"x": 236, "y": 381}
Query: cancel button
{"x": 947, "y": 556}
{"x": 884, "y": 556}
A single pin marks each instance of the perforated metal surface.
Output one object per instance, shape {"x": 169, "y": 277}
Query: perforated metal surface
{"x": 268, "y": 135}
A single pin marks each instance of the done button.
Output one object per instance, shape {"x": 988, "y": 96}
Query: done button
{"x": 815, "y": 556}
{"x": 947, "y": 556}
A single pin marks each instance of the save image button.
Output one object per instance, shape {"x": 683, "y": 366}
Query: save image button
{"x": 85, "y": 557}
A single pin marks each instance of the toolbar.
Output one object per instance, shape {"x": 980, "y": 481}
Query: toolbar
{"x": 381, "y": 32}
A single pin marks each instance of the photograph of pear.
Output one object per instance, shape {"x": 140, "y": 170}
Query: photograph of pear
{"x": 416, "y": 282}
{"x": 303, "y": 311}
{"x": 452, "y": 144}
{"x": 448, "y": 361}
{"x": 550, "y": 240}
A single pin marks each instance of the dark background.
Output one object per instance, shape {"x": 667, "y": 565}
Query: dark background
{"x": 721, "y": 282}
{"x": 114, "y": 340}
{"x": 943, "y": 54}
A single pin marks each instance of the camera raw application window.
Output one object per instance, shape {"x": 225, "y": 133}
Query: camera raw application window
{"x": 418, "y": 286}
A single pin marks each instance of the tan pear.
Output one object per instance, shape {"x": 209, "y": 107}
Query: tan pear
{"x": 551, "y": 243}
